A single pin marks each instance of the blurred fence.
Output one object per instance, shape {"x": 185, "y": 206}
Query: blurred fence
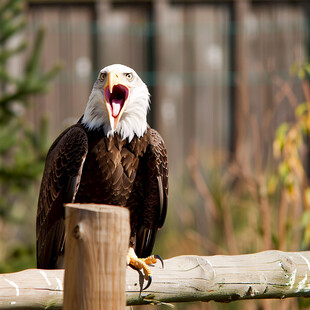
{"x": 188, "y": 54}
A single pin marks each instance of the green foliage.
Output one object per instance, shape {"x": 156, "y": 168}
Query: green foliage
{"x": 33, "y": 80}
{"x": 301, "y": 70}
{"x": 20, "y": 257}
{"x": 289, "y": 146}
{"x": 22, "y": 150}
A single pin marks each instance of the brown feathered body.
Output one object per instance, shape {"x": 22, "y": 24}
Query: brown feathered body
{"x": 86, "y": 166}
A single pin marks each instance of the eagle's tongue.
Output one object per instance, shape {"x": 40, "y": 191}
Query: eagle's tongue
{"x": 116, "y": 106}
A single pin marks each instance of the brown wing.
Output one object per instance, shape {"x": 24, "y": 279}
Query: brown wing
{"x": 63, "y": 166}
{"x": 155, "y": 194}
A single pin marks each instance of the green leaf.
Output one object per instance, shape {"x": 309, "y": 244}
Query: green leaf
{"x": 283, "y": 170}
{"x": 52, "y": 73}
{"x": 33, "y": 62}
{"x": 6, "y": 54}
{"x": 307, "y": 68}
{"x": 272, "y": 184}
{"x": 10, "y": 30}
{"x": 301, "y": 109}
{"x": 301, "y": 73}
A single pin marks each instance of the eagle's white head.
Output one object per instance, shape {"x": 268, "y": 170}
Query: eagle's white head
{"x": 119, "y": 102}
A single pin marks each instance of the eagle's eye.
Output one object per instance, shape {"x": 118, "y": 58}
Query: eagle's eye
{"x": 102, "y": 76}
{"x": 129, "y": 76}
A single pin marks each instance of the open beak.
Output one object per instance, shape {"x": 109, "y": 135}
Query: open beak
{"x": 116, "y": 95}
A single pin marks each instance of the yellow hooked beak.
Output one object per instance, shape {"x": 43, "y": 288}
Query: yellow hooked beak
{"x": 116, "y": 95}
{"x": 113, "y": 79}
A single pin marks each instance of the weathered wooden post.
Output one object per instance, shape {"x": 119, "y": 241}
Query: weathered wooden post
{"x": 97, "y": 239}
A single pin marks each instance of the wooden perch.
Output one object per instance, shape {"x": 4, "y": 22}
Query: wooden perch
{"x": 95, "y": 262}
{"x": 271, "y": 274}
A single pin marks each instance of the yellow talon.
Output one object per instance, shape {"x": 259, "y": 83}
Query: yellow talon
{"x": 149, "y": 260}
{"x": 142, "y": 263}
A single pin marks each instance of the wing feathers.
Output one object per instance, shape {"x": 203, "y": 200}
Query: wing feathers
{"x": 155, "y": 194}
{"x": 59, "y": 184}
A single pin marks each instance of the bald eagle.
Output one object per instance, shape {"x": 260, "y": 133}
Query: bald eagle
{"x": 110, "y": 156}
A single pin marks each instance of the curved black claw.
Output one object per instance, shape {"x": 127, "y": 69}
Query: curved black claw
{"x": 161, "y": 260}
{"x": 148, "y": 283}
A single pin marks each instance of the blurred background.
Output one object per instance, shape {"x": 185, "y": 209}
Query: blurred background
{"x": 229, "y": 83}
